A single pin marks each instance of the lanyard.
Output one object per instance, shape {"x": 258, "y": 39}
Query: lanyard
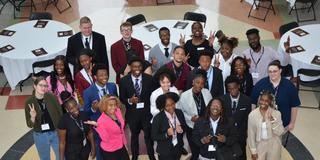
{"x": 198, "y": 102}
{"x": 91, "y": 81}
{"x": 256, "y": 62}
{"x": 174, "y": 125}
{"x": 80, "y": 125}
{"x": 43, "y": 108}
{"x": 178, "y": 74}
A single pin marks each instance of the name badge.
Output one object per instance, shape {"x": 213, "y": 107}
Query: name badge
{"x": 140, "y": 105}
{"x": 45, "y": 126}
{"x": 211, "y": 148}
{"x": 175, "y": 142}
{"x": 84, "y": 142}
{"x": 255, "y": 75}
{"x": 200, "y": 48}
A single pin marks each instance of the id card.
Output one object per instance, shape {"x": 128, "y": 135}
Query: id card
{"x": 200, "y": 48}
{"x": 45, "y": 126}
{"x": 255, "y": 75}
{"x": 211, "y": 148}
{"x": 84, "y": 142}
{"x": 140, "y": 105}
{"x": 175, "y": 142}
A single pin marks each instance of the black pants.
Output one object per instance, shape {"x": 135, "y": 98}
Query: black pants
{"x": 195, "y": 150}
{"x": 175, "y": 154}
{"x": 136, "y": 125}
{"x": 115, "y": 155}
{"x": 77, "y": 151}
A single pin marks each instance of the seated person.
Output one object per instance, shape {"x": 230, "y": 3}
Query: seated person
{"x": 124, "y": 50}
{"x": 161, "y": 53}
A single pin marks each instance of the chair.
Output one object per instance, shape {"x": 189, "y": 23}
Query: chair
{"x": 314, "y": 83}
{"x": 137, "y": 19}
{"x": 257, "y": 5}
{"x": 286, "y": 27}
{"x": 287, "y": 71}
{"x": 40, "y": 15}
{"x": 192, "y": 16}
{"x": 18, "y": 4}
{"x": 169, "y": 1}
{"x": 304, "y": 4}
{"x": 55, "y": 4}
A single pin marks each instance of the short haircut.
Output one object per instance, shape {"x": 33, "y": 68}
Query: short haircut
{"x": 206, "y": 52}
{"x": 252, "y": 31}
{"x": 85, "y": 19}
{"x": 200, "y": 73}
{"x": 135, "y": 59}
{"x": 275, "y": 63}
{"x": 161, "y": 100}
{"x": 125, "y": 24}
{"x": 177, "y": 47}
{"x": 99, "y": 66}
{"x": 86, "y": 51}
{"x": 232, "y": 79}
{"x": 164, "y": 29}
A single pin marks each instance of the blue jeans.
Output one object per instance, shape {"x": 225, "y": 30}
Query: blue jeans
{"x": 43, "y": 141}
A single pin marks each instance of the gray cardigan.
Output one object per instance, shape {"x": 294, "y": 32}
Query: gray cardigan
{"x": 157, "y": 53}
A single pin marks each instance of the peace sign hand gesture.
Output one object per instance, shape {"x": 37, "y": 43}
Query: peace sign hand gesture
{"x": 211, "y": 38}
{"x": 32, "y": 112}
{"x": 182, "y": 39}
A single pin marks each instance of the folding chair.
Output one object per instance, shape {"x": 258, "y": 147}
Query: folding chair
{"x": 55, "y": 4}
{"x": 18, "y": 4}
{"x": 137, "y": 19}
{"x": 257, "y": 4}
{"x": 304, "y": 4}
{"x": 40, "y": 15}
{"x": 286, "y": 27}
{"x": 192, "y": 16}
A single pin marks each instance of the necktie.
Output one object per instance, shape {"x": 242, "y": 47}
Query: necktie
{"x": 87, "y": 44}
{"x": 234, "y": 107}
{"x": 137, "y": 87}
{"x": 104, "y": 92}
{"x": 166, "y": 52}
{"x": 206, "y": 85}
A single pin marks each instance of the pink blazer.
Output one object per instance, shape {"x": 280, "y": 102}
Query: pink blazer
{"x": 112, "y": 137}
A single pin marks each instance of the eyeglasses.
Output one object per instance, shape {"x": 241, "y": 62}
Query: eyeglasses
{"x": 43, "y": 85}
{"x": 273, "y": 71}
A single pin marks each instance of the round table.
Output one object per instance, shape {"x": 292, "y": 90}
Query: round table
{"x": 152, "y": 38}
{"x": 17, "y": 63}
{"x": 308, "y": 42}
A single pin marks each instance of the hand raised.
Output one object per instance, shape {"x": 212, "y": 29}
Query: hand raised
{"x": 248, "y": 60}
{"x": 216, "y": 61}
{"x": 287, "y": 45}
{"x": 211, "y": 38}
{"x": 182, "y": 39}
{"x": 32, "y": 112}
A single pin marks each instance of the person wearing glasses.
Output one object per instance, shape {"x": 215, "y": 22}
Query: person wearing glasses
{"x": 265, "y": 129}
{"x": 43, "y": 112}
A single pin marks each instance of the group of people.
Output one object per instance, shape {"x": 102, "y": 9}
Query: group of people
{"x": 221, "y": 101}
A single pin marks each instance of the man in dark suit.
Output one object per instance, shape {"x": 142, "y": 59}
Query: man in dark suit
{"x": 135, "y": 90}
{"x": 237, "y": 106}
{"x": 214, "y": 75}
{"x": 93, "y": 94}
{"x": 124, "y": 49}
{"x": 87, "y": 38}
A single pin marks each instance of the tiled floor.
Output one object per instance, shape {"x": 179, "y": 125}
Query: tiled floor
{"x": 227, "y": 15}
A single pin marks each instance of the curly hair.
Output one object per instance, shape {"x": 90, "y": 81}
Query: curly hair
{"x": 223, "y": 116}
{"x": 233, "y": 66}
{"x": 54, "y": 74}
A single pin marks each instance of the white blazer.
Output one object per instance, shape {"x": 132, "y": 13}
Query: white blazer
{"x": 188, "y": 105}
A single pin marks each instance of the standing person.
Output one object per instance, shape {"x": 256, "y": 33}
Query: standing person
{"x": 110, "y": 127}
{"x": 214, "y": 82}
{"x": 286, "y": 94}
{"x": 265, "y": 129}
{"x": 84, "y": 78}
{"x": 43, "y": 112}
{"x": 193, "y": 104}
{"x": 161, "y": 53}
{"x": 180, "y": 68}
{"x": 238, "y": 106}
{"x": 135, "y": 90}
{"x": 93, "y": 94}
{"x": 60, "y": 79}
{"x": 165, "y": 77}
{"x": 216, "y": 134}
{"x": 88, "y": 39}
{"x": 258, "y": 56}
{"x": 240, "y": 69}
{"x": 75, "y": 138}
{"x": 224, "y": 58}
{"x": 168, "y": 127}
{"x": 124, "y": 50}
{"x": 197, "y": 44}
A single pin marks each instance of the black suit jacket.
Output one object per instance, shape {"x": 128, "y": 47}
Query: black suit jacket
{"x": 160, "y": 125}
{"x": 216, "y": 89}
{"x": 228, "y": 150}
{"x": 75, "y": 45}
{"x": 127, "y": 90}
{"x": 240, "y": 117}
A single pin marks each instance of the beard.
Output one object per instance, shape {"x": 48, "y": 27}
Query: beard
{"x": 255, "y": 47}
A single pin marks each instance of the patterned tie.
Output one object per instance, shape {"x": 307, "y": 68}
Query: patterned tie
{"x": 137, "y": 87}
{"x": 166, "y": 52}
{"x": 87, "y": 44}
{"x": 234, "y": 107}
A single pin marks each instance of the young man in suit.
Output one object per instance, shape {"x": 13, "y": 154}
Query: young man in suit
{"x": 135, "y": 90}
{"x": 161, "y": 53}
{"x": 125, "y": 49}
{"x": 237, "y": 106}
{"x": 93, "y": 94}
{"x": 89, "y": 39}
{"x": 214, "y": 75}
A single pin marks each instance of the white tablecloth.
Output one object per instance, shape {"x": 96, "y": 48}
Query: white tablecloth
{"x": 17, "y": 63}
{"x": 309, "y": 42}
{"x": 152, "y": 38}
{"x": 291, "y": 2}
